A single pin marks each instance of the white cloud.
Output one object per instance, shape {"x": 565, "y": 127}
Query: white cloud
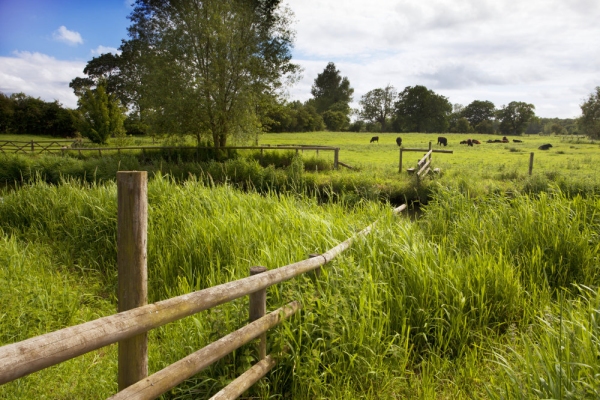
{"x": 71, "y": 38}
{"x": 104, "y": 49}
{"x": 540, "y": 51}
{"x": 40, "y": 75}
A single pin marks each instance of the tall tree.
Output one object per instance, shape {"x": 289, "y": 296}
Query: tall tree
{"x": 514, "y": 117}
{"x": 331, "y": 91}
{"x": 100, "y": 115}
{"x": 479, "y": 111}
{"x": 419, "y": 109}
{"x": 590, "y": 119}
{"x": 377, "y": 105}
{"x": 205, "y": 67}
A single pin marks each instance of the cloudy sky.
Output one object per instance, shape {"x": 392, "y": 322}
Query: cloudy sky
{"x": 543, "y": 52}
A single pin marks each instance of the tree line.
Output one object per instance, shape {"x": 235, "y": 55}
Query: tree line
{"x": 22, "y": 114}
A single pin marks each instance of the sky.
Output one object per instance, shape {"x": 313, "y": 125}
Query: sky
{"x": 543, "y": 52}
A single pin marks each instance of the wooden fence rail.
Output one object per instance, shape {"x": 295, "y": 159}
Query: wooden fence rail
{"x": 421, "y": 162}
{"x": 33, "y": 147}
{"x": 34, "y": 354}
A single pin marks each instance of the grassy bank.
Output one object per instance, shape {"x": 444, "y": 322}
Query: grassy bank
{"x": 493, "y": 297}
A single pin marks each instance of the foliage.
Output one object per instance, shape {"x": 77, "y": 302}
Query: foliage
{"x": 377, "y": 105}
{"x": 479, "y": 111}
{"x": 331, "y": 91}
{"x": 294, "y": 117}
{"x": 21, "y": 114}
{"x": 463, "y": 126}
{"x": 231, "y": 57}
{"x": 485, "y": 127}
{"x": 419, "y": 109}
{"x": 514, "y": 117}
{"x": 590, "y": 118}
{"x": 100, "y": 115}
{"x": 335, "y": 121}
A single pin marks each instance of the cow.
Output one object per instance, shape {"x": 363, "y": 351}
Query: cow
{"x": 399, "y": 141}
{"x": 463, "y": 142}
{"x": 475, "y": 141}
{"x": 469, "y": 142}
{"x": 442, "y": 141}
{"x": 517, "y": 141}
{"x": 505, "y": 140}
{"x": 374, "y": 139}
{"x": 545, "y": 146}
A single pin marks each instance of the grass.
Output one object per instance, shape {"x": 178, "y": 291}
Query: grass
{"x": 491, "y": 293}
{"x": 479, "y": 298}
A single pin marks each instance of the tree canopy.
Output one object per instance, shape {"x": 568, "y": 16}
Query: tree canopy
{"x": 22, "y": 114}
{"x": 331, "y": 91}
{"x": 479, "y": 111}
{"x": 206, "y": 67}
{"x": 377, "y": 105}
{"x": 590, "y": 118}
{"x": 514, "y": 117}
{"x": 100, "y": 114}
{"x": 419, "y": 109}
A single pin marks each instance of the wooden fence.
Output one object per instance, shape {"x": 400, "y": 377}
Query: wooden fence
{"x": 36, "y": 147}
{"x": 424, "y": 164}
{"x": 135, "y": 317}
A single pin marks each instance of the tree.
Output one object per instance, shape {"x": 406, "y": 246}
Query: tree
{"x": 331, "y": 92}
{"x": 463, "y": 126}
{"x": 514, "y": 117}
{"x": 204, "y": 67}
{"x": 100, "y": 115}
{"x": 479, "y": 111}
{"x": 335, "y": 120}
{"x": 589, "y": 122}
{"x": 378, "y": 105}
{"x": 419, "y": 109}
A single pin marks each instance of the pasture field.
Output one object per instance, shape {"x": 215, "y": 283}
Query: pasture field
{"x": 489, "y": 298}
{"x": 571, "y": 156}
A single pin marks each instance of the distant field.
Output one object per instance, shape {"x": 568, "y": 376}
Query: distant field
{"x": 569, "y": 155}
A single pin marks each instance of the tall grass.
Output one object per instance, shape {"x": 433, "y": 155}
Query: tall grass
{"x": 473, "y": 300}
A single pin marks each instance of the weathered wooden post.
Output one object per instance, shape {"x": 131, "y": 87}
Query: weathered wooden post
{"x": 400, "y": 162}
{"x": 530, "y": 164}
{"x": 336, "y": 157}
{"x": 132, "y": 226}
{"x": 32, "y": 146}
{"x": 258, "y": 308}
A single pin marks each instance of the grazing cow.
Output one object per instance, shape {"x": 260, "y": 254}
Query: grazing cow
{"x": 517, "y": 141}
{"x": 475, "y": 141}
{"x": 469, "y": 142}
{"x": 374, "y": 139}
{"x": 399, "y": 141}
{"x": 545, "y": 146}
{"x": 442, "y": 141}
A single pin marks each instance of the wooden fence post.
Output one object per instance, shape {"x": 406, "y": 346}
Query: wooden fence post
{"x": 32, "y": 146}
{"x": 530, "y": 164}
{"x": 400, "y": 162}
{"x": 336, "y": 157}
{"x": 258, "y": 308}
{"x": 132, "y": 226}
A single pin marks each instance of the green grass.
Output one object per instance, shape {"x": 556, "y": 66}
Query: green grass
{"x": 492, "y": 296}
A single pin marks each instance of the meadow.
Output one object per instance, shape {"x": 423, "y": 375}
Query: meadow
{"x": 491, "y": 292}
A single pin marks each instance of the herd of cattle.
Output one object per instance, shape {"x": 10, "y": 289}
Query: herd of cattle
{"x": 442, "y": 141}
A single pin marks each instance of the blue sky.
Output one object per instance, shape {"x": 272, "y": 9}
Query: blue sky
{"x": 543, "y": 52}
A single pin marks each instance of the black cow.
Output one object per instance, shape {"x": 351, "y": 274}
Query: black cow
{"x": 374, "y": 139}
{"x": 517, "y": 141}
{"x": 545, "y": 146}
{"x": 442, "y": 141}
{"x": 463, "y": 142}
{"x": 469, "y": 142}
{"x": 399, "y": 141}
